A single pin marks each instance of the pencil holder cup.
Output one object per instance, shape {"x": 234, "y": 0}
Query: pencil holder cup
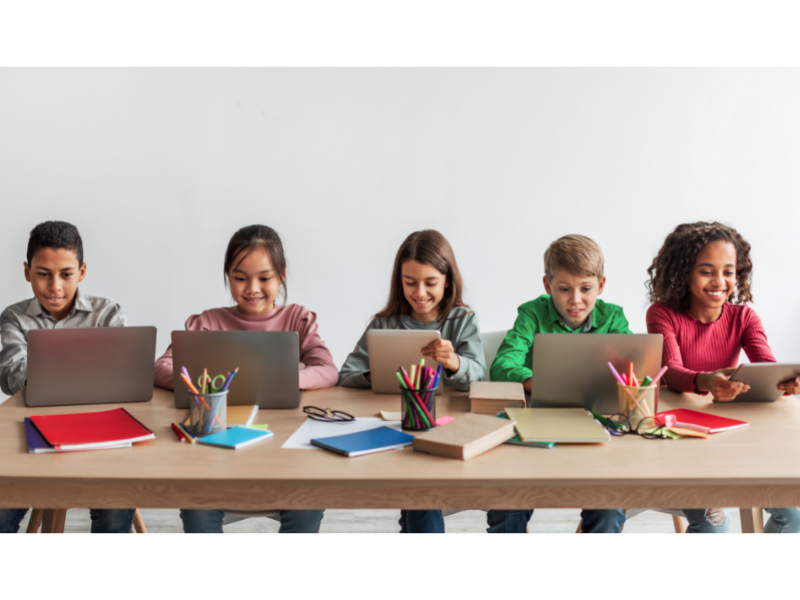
{"x": 418, "y": 409}
{"x": 208, "y": 413}
{"x": 636, "y": 403}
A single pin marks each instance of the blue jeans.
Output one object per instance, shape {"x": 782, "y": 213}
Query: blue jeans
{"x": 103, "y": 521}
{"x": 783, "y": 520}
{"x": 594, "y": 521}
{"x": 210, "y": 521}
{"x": 421, "y": 521}
{"x": 718, "y": 521}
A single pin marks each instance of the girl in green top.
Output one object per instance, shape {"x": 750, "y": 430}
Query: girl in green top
{"x": 425, "y": 293}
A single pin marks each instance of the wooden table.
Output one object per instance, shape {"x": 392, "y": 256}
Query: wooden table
{"x": 758, "y": 466}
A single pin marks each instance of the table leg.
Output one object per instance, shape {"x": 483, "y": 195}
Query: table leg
{"x": 35, "y": 521}
{"x": 752, "y": 520}
{"x": 53, "y": 520}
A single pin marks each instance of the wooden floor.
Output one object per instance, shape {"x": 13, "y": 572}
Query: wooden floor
{"x": 385, "y": 521}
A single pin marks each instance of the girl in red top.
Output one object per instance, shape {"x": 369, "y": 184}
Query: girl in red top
{"x": 700, "y": 286}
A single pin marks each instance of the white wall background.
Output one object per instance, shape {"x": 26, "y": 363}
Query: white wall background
{"x": 158, "y": 167}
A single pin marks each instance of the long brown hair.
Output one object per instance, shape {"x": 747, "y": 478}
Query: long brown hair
{"x": 428, "y": 247}
{"x": 672, "y": 267}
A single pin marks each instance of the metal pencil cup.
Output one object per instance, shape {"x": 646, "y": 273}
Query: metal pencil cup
{"x": 208, "y": 413}
{"x": 418, "y": 409}
{"x": 639, "y": 406}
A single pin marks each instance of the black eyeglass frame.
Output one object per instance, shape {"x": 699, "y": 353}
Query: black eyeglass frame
{"x": 619, "y": 425}
{"x": 327, "y": 415}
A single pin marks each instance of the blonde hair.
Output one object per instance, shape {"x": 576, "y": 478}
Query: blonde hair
{"x": 575, "y": 254}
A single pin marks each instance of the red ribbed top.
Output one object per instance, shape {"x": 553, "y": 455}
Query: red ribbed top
{"x": 692, "y": 347}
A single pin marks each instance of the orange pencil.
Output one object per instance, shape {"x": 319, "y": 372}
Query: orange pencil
{"x": 632, "y": 377}
{"x": 194, "y": 391}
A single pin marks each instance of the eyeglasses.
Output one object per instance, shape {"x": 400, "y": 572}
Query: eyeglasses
{"x": 327, "y": 415}
{"x": 649, "y": 428}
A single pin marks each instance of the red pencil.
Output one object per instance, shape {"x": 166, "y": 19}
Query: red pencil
{"x": 181, "y": 437}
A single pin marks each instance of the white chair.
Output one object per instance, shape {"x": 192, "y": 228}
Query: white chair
{"x": 491, "y": 344}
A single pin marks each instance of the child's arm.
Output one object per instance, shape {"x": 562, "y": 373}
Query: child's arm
{"x": 164, "y": 365}
{"x": 114, "y": 317}
{"x": 356, "y": 367}
{"x": 14, "y": 355}
{"x": 677, "y": 377}
{"x": 464, "y": 354}
{"x": 754, "y": 344}
{"x": 509, "y": 364}
{"x": 320, "y": 370}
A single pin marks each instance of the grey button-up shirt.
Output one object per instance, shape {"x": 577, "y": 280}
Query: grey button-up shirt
{"x": 18, "y": 319}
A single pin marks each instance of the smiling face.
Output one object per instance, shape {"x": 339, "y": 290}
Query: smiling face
{"x": 423, "y": 288}
{"x": 54, "y": 274}
{"x": 712, "y": 280}
{"x": 254, "y": 283}
{"x": 574, "y": 296}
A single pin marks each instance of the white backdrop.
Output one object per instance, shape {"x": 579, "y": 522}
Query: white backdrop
{"x": 158, "y": 167}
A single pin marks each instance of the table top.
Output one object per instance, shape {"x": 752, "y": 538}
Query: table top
{"x": 758, "y": 465}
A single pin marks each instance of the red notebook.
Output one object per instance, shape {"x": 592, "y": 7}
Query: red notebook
{"x": 714, "y": 423}
{"x": 75, "y": 430}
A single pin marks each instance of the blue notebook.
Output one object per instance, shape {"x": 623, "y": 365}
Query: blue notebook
{"x": 365, "y": 442}
{"x": 235, "y": 437}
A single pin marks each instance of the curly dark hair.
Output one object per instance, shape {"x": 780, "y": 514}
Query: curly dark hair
{"x": 58, "y": 235}
{"x": 672, "y": 267}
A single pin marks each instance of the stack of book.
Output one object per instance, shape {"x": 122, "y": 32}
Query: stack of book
{"x": 84, "y": 431}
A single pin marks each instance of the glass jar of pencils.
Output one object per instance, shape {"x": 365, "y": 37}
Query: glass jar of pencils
{"x": 418, "y": 409}
{"x": 637, "y": 402}
{"x": 208, "y": 413}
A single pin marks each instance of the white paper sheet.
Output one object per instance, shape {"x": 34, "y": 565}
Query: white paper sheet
{"x": 301, "y": 439}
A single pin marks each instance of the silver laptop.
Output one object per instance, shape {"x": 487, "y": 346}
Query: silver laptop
{"x": 268, "y": 361}
{"x": 102, "y": 365}
{"x": 572, "y": 370}
{"x": 391, "y": 348}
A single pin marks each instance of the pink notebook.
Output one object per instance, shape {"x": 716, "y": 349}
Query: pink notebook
{"x": 714, "y": 423}
{"x": 75, "y": 430}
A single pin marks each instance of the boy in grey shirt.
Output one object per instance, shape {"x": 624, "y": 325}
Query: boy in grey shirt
{"x": 54, "y": 268}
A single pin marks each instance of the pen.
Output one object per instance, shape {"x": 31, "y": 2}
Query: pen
{"x": 185, "y": 430}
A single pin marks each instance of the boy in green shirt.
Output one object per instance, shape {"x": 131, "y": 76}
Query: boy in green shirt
{"x": 573, "y": 280}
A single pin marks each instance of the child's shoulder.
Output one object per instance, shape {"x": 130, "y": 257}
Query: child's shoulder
{"x": 537, "y": 305}
{"x": 95, "y": 303}
{"x": 659, "y": 309}
{"x": 607, "y": 309}
{"x": 18, "y": 308}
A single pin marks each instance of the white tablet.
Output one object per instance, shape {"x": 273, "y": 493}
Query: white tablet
{"x": 391, "y": 348}
{"x": 763, "y": 379}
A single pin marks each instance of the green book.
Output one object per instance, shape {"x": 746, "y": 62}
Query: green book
{"x": 518, "y": 442}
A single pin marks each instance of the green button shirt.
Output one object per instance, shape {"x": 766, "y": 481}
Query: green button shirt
{"x": 515, "y": 356}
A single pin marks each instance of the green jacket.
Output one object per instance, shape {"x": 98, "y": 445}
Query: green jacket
{"x": 515, "y": 357}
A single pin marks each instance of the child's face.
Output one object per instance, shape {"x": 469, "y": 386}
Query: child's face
{"x": 574, "y": 296}
{"x": 713, "y": 278}
{"x": 423, "y": 287}
{"x": 254, "y": 283}
{"x": 54, "y": 274}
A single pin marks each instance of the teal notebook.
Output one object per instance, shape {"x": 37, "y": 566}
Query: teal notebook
{"x": 518, "y": 442}
{"x": 235, "y": 437}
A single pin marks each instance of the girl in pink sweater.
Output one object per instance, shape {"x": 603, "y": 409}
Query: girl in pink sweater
{"x": 700, "y": 286}
{"x": 255, "y": 270}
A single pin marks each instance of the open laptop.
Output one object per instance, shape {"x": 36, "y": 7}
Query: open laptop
{"x": 101, "y": 365}
{"x": 572, "y": 370}
{"x": 391, "y": 348}
{"x": 268, "y": 361}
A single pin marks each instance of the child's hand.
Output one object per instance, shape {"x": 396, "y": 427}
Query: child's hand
{"x": 443, "y": 352}
{"x": 790, "y": 388}
{"x": 720, "y": 386}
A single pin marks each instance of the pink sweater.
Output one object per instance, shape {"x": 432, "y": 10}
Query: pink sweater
{"x": 692, "y": 347}
{"x": 316, "y": 363}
